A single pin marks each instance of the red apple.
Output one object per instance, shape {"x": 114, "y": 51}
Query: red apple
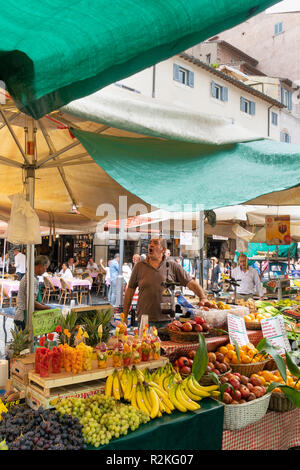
{"x": 198, "y": 328}
{"x": 199, "y": 320}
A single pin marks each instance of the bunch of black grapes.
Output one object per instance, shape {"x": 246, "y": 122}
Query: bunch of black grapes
{"x": 26, "y": 429}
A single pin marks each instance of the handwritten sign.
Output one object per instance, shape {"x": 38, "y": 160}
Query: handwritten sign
{"x": 274, "y": 330}
{"x": 237, "y": 329}
{"x": 45, "y": 321}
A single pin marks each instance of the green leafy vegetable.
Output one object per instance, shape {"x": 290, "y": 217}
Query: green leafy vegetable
{"x": 265, "y": 347}
{"x": 200, "y": 359}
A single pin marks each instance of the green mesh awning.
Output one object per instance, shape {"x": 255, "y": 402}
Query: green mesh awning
{"x": 172, "y": 175}
{"x": 54, "y": 52}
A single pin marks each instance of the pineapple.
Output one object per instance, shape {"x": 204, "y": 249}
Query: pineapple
{"x": 20, "y": 341}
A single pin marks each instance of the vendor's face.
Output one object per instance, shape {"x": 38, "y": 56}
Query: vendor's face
{"x": 243, "y": 263}
{"x": 155, "y": 250}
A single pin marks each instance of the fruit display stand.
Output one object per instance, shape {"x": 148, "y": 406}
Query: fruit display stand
{"x": 202, "y": 431}
{"x": 275, "y": 431}
{"x": 47, "y": 385}
{"x": 212, "y": 343}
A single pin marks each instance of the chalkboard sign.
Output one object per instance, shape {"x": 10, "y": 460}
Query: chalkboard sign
{"x": 45, "y": 321}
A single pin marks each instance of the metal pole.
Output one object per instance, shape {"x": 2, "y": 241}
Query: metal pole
{"x": 30, "y": 190}
{"x": 120, "y": 278}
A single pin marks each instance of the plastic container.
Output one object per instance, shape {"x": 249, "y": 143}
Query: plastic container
{"x": 217, "y": 318}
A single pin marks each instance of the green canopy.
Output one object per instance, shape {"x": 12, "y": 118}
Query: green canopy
{"x": 179, "y": 176}
{"x": 54, "y": 52}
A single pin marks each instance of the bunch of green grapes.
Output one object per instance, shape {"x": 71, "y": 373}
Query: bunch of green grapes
{"x": 102, "y": 417}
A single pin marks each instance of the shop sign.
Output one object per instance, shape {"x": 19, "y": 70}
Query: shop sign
{"x": 278, "y": 230}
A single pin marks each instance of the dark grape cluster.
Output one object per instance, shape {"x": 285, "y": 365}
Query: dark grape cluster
{"x": 27, "y": 429}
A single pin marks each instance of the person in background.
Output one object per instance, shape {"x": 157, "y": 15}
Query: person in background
{"x": 101, "y": 267}
{"x": 206, "y": 269}
{"x": 71, "y": 264}
{"x": 186, "y": 264}
{"x": 65, "y": 272}
{"x": 178, "y": 260}
{"x": 136, "y": 259}
{"x": 107, "y": 281}
{"x": 126, "y": 271}
{"x": 4, "y": 262}
{"x": 20, "y": 263}
{"x": 148, "y": 276}
{"x": 248, "y": 279}
{"x": 114, "y": 272}
{"x": 41, "y": 265}
{"x": 215, "y": 273}
{"x": 91, "y": 265}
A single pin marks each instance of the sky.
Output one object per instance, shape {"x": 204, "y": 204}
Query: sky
{"x": 285, "y": 6}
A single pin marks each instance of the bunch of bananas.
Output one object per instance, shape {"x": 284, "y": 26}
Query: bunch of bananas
{"x": 159, "y": 392}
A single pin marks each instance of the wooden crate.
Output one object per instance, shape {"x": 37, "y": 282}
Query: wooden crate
{"x": 35, "y": 399}
{"x": 44, "y": 385}
{"x": 18, "y": 383}
{"x": 20, "y": 366}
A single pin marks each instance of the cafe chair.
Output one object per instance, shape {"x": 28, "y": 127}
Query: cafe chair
{"x": 67, "y": 294}
{"x": 50, "y": 291}
{"x": 85, "y": 291}
{"x": 6, "y": 301}
{"x": 85, "y": 275}
{"x": 100, "y": 284}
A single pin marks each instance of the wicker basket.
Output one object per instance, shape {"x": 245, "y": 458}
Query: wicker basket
{"x": 248, "y": 369}
{"x": 253, "y": 325}
{"x": 240, "y": 416}
{"x": 271, "y": 364}
{"x": 280, "y": 402}
{"x": 185, "y": 337}
{"x": 206, "y": 379}
{"x": 163, "y": 334}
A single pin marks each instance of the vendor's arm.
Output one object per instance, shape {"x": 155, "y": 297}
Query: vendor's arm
{"x": 38, "y": 306}
{"x": 197, "y": 289}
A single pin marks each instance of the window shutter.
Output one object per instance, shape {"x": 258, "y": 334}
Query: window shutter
{"x": 213, "y": 89}
{"x": 282, "y": 95}
{"x": 290, "y": 104}
{"x": 276, "y": 29}
{"x": 242, "y": 104}
{"x": 191, "y": 79}
{"x": 252, "y": 107}
{"x": 224, "y": 96}
{"x": 281, "y": 136}
{"x": 289, "y": 140}
{"x": 176, "y": 72}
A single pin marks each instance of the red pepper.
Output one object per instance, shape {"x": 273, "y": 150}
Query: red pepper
{"x": 42, "y": 340}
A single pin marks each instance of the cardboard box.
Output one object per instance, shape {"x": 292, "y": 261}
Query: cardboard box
{"x": 35, "y": 399}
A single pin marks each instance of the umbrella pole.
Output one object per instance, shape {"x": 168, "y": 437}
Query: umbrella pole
{"x": 120, "y": 278}
{"x": 30, "y": 189}
{"x": 201, "y": 242}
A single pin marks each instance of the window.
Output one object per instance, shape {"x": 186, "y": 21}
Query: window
{"x": 274, "y": 119}
{"x": 208, "y": 58}
{"x": 182, "y": 75}
{"x": 247, "y": 106}
{"x": 286, "y": 98}
{"x": 285, "y": 137}
{"x": 219, "y": 92}
{"x": 278, "y": 28}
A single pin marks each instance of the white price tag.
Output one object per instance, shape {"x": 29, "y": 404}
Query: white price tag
{"x": 237, "y": 329}
{"x": 274, "y": 330}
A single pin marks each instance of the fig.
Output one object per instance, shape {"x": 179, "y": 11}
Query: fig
{"x": 227, "y": 398}
{"x": 244, "y": 380}
{"x": 250, "y": 386}
{"x": 234, "y": 402}
{"x": 209, "y": 369}
{"x": 212, "y": 357}
{"x": 255, "y": 381}
{"x": 197, "y": 328}
{"x": 191, "y": 354}
{"x": 223, "y": 379}
{"x": 216, "y": 371}
{"x": 244, "y": 391}
{"x": 187, "y": 326}
{"x": 222, "y": 368}
{"x": 219, "y": 357}
{"x": 251, "y": 397}
{"x": 217, "y": 364}
{"x": 186, "y": 370}
{"x": 211, "y": 365}
{"x": 242, "y": 401}
{"x": 235, "y": 383}
{"x": 258, "y": 391}
{"x": 205, "y": 327}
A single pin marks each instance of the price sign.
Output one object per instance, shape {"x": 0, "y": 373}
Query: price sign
{"x": 278, "y": 230}
{"x": 237, "y": 329}
{"x": 45, "y": 321}
{"x": 274, "y": 330}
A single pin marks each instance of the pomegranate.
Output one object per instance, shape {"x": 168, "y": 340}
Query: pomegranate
{"x": 255, "y": 381}
{"x": 244, "y": 391}
{"x": 177, "y": 323}
{"x": 199, "y": 320}
{"x": 235, "y": 383}
{"x": 185, "y": 370}
{"x": 197, "y": 328}
{"x": 227, "y": 398}
{"x": 187, "y": 326}
{"x": 183, "y": 361}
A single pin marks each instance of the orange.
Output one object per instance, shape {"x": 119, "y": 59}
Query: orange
{"x": 246, "y": 359}
{"x": 223, "y": 350}
{"x": 234, "y": 359}
{"x": 230, "y": 347}
{"x": 250, "y": 346}
{"x": 226, "y": 359}
{"x": 250, "y": 353}
{"x": 230, "y": 354}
